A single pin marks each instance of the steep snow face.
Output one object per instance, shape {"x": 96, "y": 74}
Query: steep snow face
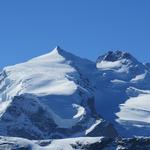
{"x": 138, "y": 108}
{"x": 50, "y": 74}
{"x": 57, "y": 85}
{"x": 43, "y": 75}
{"x": 135, "y": 114}
{"x": 54, "y": 73}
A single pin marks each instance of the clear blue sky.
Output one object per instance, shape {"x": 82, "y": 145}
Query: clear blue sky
{"x": 87, "y": 28}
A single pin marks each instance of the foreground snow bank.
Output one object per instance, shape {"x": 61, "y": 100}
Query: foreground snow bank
{"x": 81, "y": 143}
{"x": 12, "y": 143}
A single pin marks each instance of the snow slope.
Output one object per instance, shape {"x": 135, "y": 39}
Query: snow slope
{"x": 138, "y": 108}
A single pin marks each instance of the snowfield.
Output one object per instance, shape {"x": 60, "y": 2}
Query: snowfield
{"x": 138, "y": 108}
{"x": 43, "y": 75}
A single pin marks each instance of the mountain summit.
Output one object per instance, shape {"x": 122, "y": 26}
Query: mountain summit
{"x": 115, "y": 56}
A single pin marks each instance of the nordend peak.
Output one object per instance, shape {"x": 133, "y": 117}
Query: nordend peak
{"x": 117, "y": 55}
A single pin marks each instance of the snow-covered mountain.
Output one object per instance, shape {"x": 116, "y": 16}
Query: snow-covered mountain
{"x": 50, "y": 97}
{"x": 60, "y": 95}
{"x": 123, "y": 93}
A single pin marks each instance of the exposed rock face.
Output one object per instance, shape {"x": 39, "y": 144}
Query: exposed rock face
{"x": 26, "y": 117}
{"x": 115, "y": 56}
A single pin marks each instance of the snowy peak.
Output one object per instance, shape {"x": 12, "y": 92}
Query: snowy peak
{"x": 57, "y": 50}
{"x": 121, "y": 62}
{"x": 57, "y": 54}
{"x": 113, "y": 56}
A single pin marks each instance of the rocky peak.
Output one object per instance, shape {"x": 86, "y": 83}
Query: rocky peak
{"x": 113, "y": 56}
